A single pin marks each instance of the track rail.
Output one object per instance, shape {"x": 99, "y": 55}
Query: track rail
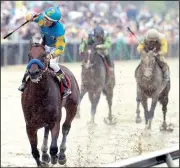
{"x": 152, "y": 159}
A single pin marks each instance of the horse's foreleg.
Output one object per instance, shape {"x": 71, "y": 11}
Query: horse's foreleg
{"x": 109, "y": 95}
{"x": 70, "y": 114}
{"x": 145, "y": 106}
{"x": 164, "y": 102}
{"x": 54, "y": 135}
{"x": 138, "y": 118}
{"x": 83, "y": 91}
{"x": 32, "y": 135}
{"x": 94, "y": 98}
{"x": 44, "y": 148}
{"x": 151, "y": 112}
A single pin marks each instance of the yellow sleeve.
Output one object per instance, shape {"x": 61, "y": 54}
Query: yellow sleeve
{"x": 60, "y": 46}
{"x": 164, "y": 47}
{"x": 140, "y": 47}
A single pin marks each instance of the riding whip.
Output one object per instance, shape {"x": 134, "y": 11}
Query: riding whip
{"x": 134, "y": 35}
{"x": 19, "y": 27}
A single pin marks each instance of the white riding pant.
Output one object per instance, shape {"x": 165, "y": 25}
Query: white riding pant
{"x": 53, "y": 62}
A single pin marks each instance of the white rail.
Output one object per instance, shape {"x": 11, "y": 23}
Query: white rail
{"x": 152, "y": 159}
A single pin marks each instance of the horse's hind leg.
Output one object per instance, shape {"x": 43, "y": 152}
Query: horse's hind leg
{"x": 32, "y": 135}
{"x": 71, "y": 110}
{"x": 44, "y": 148}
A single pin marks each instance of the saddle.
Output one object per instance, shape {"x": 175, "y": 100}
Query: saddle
{"x": 59, "y": 81}
{"x": 108, "y": 72}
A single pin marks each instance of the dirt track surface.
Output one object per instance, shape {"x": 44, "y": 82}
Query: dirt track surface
{"x": 90, "y": 145}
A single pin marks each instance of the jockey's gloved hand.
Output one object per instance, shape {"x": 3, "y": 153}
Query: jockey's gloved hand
{"x": 31, "y": 16}
{"x": 100, "y": 46}
{"x": 50, "y": 56}
{"x": 153, "y": 53}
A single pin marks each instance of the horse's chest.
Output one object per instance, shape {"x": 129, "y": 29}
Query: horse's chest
{"x": 38, "y": 113}
{"x": 149, "y": 90}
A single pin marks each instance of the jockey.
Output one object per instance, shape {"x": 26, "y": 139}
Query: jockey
{"x": 156, "y": 43}
{"x": 102, "y": 38}
{"x": 52, "y": 32}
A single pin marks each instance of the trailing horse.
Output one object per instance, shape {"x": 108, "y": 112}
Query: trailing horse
{"x": 95, "y": 79}
{"x": 149, "y": 78}
{"x": 42, "y": 104}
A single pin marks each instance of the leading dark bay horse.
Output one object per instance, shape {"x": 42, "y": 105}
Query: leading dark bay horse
{"x": 94, "y": 80}
{"x": 42, "y": 104}
{"x": 149, "y": 78}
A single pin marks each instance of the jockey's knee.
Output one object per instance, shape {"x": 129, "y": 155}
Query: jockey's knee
{"x": 54, "y": 66}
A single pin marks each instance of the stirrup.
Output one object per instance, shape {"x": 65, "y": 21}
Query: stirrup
{"x": 67, "y": 93}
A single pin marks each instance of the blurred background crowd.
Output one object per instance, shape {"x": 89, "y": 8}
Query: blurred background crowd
{"x": 80, "y": 17}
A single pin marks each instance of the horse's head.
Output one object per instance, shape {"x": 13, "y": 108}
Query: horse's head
{"x": 148, "y": 62}
{"x": 37, "y": 61}
{"x": 89, "y": 56}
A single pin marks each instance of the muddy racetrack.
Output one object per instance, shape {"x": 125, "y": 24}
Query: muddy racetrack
{"x": 90, "y": 145}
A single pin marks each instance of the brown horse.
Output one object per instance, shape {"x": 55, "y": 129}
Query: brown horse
{"x": 42, "y": 104}
{"x": 149, "y": 78}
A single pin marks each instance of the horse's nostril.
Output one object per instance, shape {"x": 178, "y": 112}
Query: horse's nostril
{"x": 33, "y": 73}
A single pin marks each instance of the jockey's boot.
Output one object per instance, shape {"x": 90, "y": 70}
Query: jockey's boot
{"x": 61, "y": 75}
{"x": 22, "y": 87}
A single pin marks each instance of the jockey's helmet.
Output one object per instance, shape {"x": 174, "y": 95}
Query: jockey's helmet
{"x": 152, "y": 35}
{"x": 99, "y": 32}
{"x": 53, "y": 14}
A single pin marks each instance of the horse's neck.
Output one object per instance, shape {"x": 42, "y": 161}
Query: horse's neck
{"x": 98, "y": 60}
{"x": 157, "y": 72}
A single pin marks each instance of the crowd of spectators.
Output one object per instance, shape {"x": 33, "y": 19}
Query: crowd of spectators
{"x": 80, "y": 17}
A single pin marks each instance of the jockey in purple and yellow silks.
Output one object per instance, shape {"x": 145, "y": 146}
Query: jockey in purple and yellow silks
{"x": 52, "y": 32}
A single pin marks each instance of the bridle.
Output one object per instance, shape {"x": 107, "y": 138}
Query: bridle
{"x": 43, "y": 66}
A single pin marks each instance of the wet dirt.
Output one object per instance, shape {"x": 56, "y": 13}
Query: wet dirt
{"x": 90, "y": 145}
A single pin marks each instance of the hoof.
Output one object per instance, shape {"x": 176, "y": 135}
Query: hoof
{"x": 45, "y": 158}
{"x": 43, "y": 164}
{"x": 163, "y": 127}
{"x": 91, "y": 122}
{"x": 170, "y": 128}
{"x": 138, "y": 120}
{"x": 54, "y": 159}
{"x": 111, "y": 121}
{"x": 62, "y": 159}
{"x": 147, "y": 132}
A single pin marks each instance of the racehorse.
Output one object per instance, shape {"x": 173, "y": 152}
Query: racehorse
{"x": 149, "y": 78}
{"x": 42, "y": 104}
{"x": 94, "y": 80}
